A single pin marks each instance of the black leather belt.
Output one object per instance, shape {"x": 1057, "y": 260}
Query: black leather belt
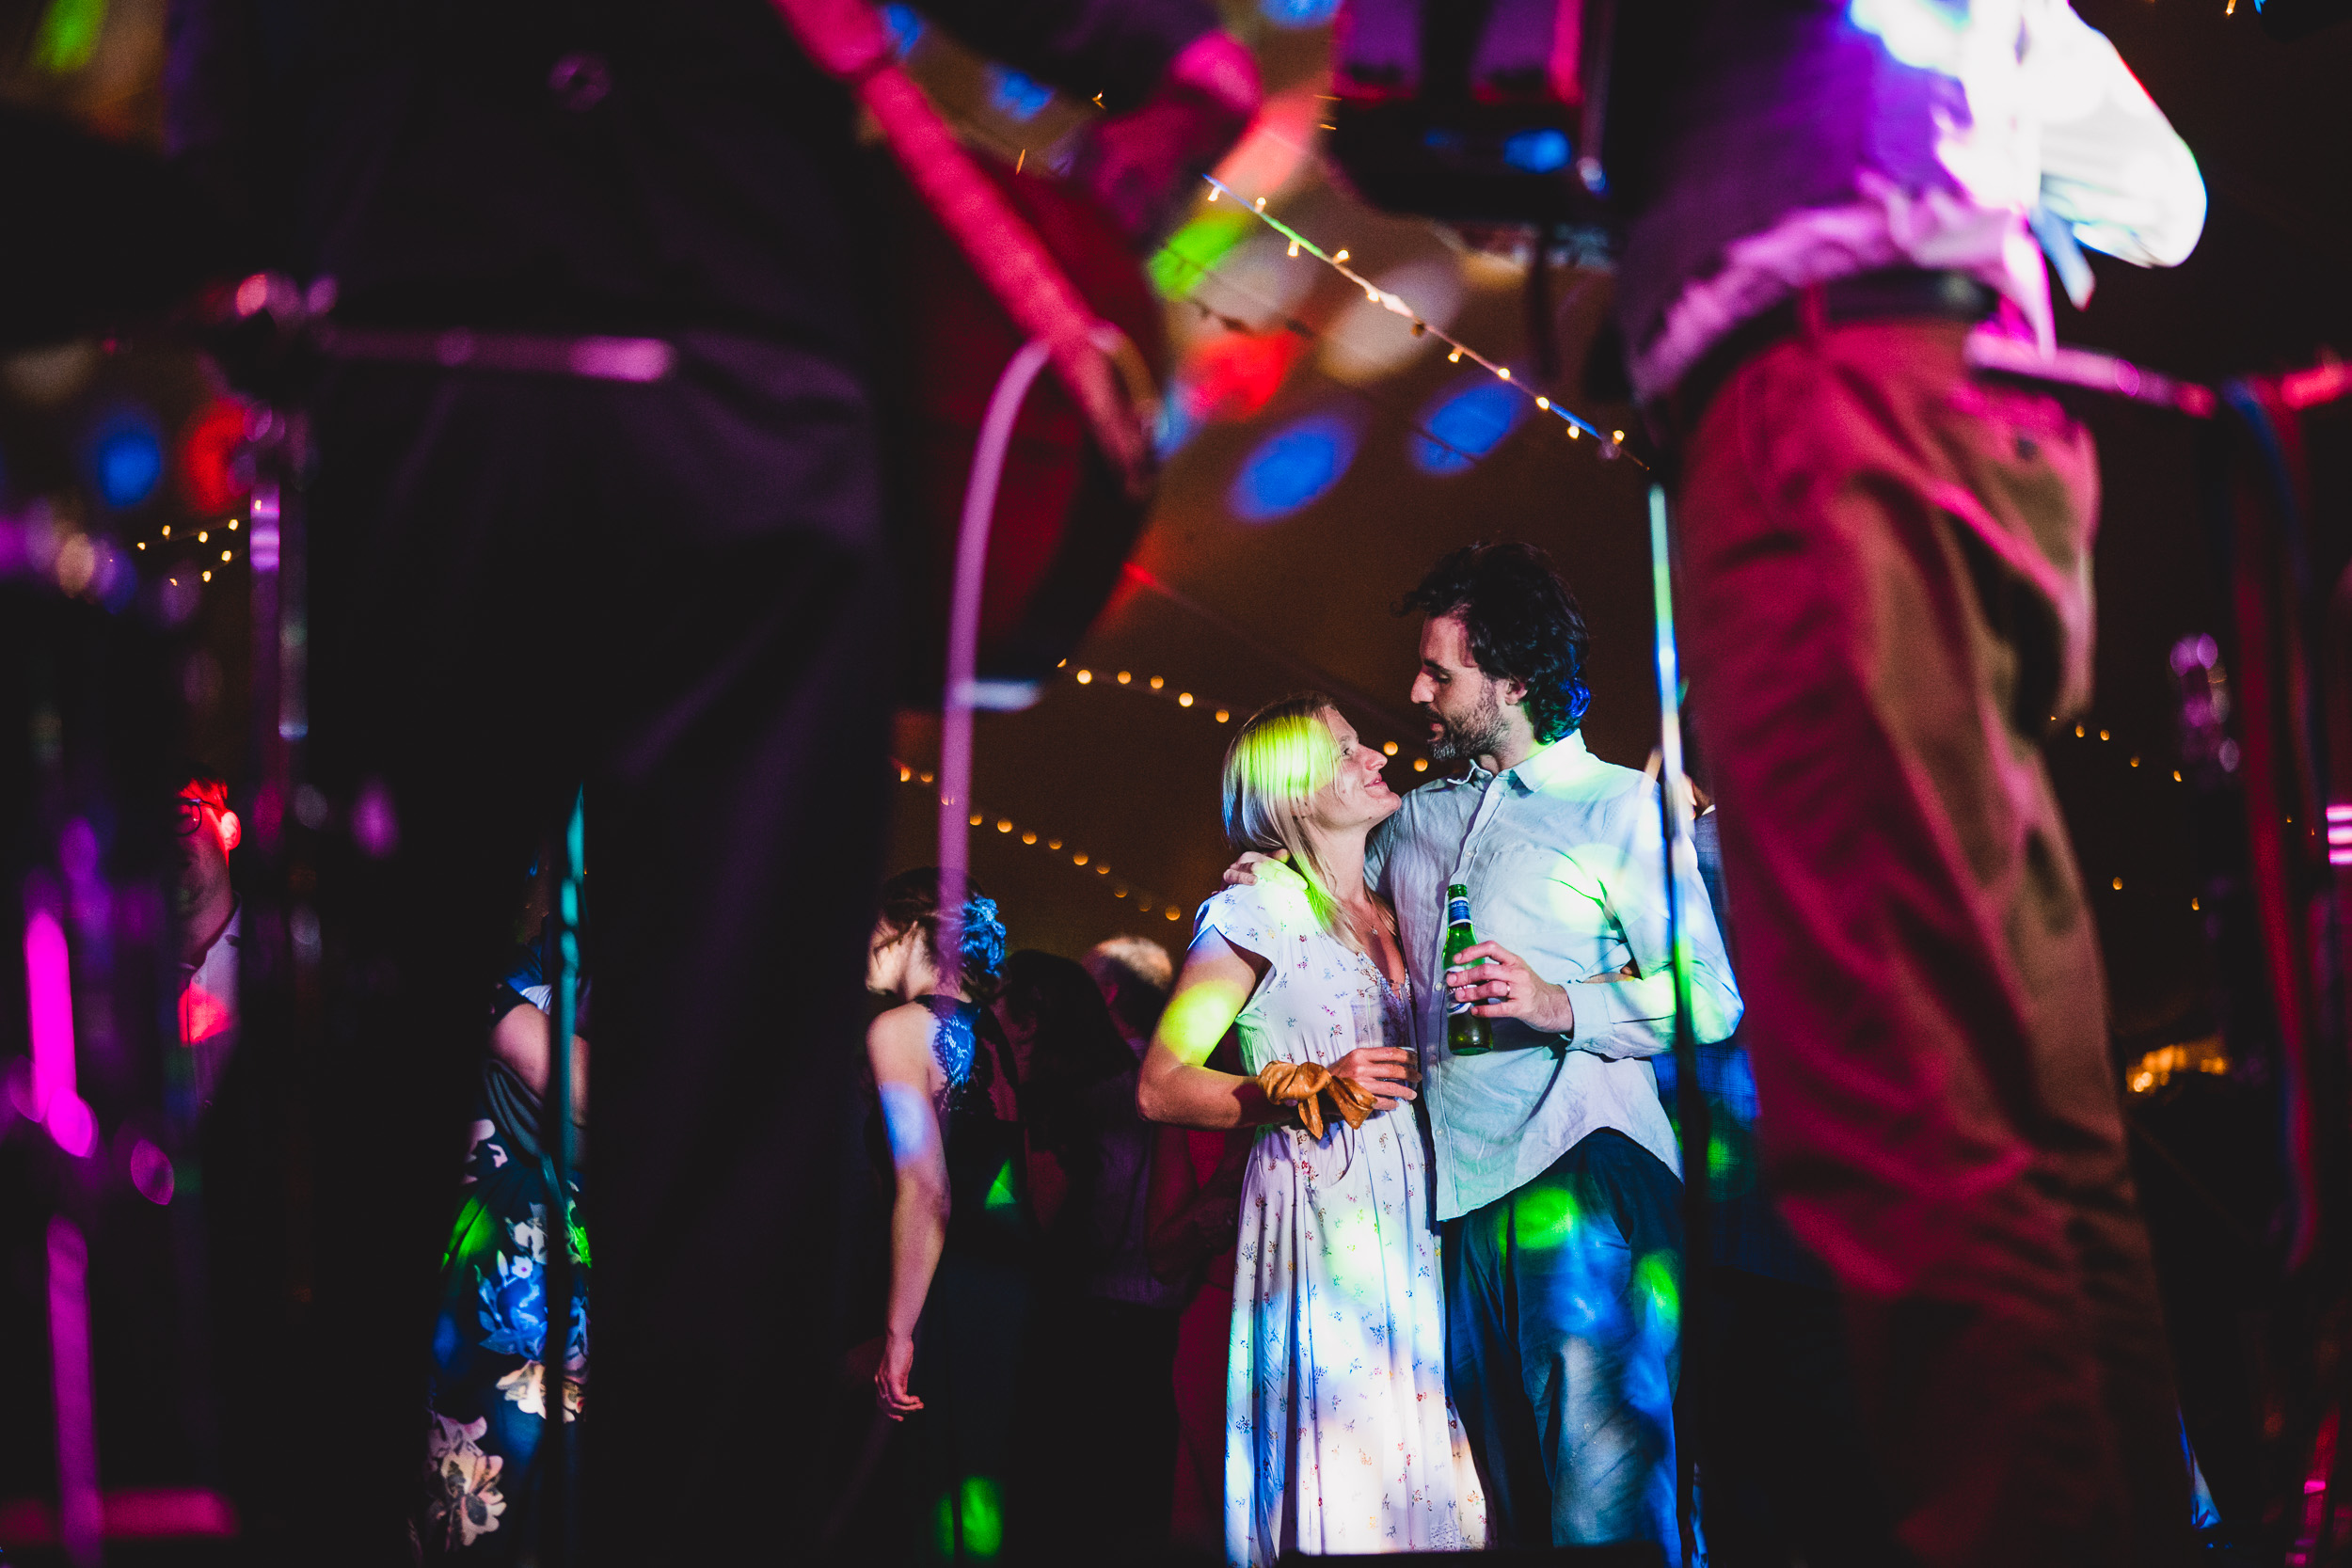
{"x": 1865, "y": 297}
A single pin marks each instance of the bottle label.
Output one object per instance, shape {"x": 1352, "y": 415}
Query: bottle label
{"x": 1457, "y": 912}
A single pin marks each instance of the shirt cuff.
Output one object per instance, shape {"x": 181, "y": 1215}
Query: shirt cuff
{"x": 1611, "y": 1021}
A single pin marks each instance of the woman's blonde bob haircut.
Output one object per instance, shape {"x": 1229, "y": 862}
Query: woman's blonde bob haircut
{"x": 1285, "y": 753}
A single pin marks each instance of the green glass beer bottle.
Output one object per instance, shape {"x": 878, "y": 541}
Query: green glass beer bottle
{"x": 1466, "y": 1033}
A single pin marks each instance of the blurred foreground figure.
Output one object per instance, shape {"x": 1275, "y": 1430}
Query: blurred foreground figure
{"x": 1888, "y": 607}
{"x": 531, "y": 569}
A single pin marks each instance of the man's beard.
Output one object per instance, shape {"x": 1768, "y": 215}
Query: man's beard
{"x": 1479, "y": 735}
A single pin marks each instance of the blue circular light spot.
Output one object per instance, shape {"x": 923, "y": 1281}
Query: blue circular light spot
{"x": 1468, "y": 424}
{"x": 905, "y": 27}
{"x": 1298, "y": 13}
{"x": 126, "y": 461}
{"x": 1293, "y": 467}
{"x": 1177, "y": 423}
{"x": 1536, "y": 152}
{"x": 1015, "y": 96}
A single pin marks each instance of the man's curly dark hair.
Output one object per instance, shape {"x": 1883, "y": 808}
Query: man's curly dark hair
{"x": 1524, "y": 626}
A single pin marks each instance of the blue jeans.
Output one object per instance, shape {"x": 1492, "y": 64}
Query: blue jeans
{"x": 1563, "y": 1344}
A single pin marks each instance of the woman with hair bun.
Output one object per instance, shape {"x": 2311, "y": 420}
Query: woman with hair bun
{"x": 1339, "y": 1437}
{"x": 959, "y": 1226}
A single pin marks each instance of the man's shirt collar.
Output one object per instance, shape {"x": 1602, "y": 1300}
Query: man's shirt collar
{"x": 1546, "y": 763}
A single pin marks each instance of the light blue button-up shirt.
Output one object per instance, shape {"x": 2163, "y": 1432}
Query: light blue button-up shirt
{"x": 1564, "y": 858}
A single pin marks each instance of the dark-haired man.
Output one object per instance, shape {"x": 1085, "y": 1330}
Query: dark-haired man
{"x": 1557, "y": 1174}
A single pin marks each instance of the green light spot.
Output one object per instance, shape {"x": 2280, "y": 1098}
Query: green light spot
{"x": 1654, "y": 1276}
{"x": 580, "y": 1243}
{"x": 971, "y": 1520}
{"x": 69, "y": 35}
{"x": 477, "y": 1230}
{"x": 1194, "y": 249}
{"x": 983, "y": 1517}
{"x": 1000, "y": 1193}
{"x": 1546, "y": 1217}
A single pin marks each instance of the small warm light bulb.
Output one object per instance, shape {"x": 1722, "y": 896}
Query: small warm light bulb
{"x": 1052, "y": 844}
{"x": 224, "y": 554}
{"x": 1171, "y": 913}
{"x": 1260, "y": 205}
{"x": 2117, "y": 884}
{"x": 1504, "y": 373}
{"x": 1086, "y": 677}
{"x": 1157, "y": 683}
{"x": 1078, "y": 859}
{"x": 1124, "y": 678}
{"x": 2134, "y": 762}
{"x": 1421, "y": 765}
{"x": 1213, "y": 193}
{"x": 142, "y": 544}
{"x": 1028, "y": 838}
{"x": 208, "y": 574}
{"x": 2176, "y": 775}
{"x": 1543, "y": 403}
{"x": 1184, "y": 699}
{"x": 2193, "y": 904}
{"x": 167, "y": 530}
{"x": 2078, "y": 732}
{"x": 1340, "y": 256}
{"x": 1101, "y": 871}
{"x": 232, "y": 524}
{"x": 1453, "y": 359}
{"x": 1293, "y": 247}
{"x": 203, "y": 537}
{"x": 976, "y": 820}
{"x": 1061, "y": 664}
{"x": 1119, "y": 893}
{"x": 1616, "y": 436}
{"x": 1575, "y": 434}
{"x": 926, "y": 778}
{"x": 1222, "y": 715}
{"x": 2103, "y": 735}
{"x": 1004, "y": 824}
{"x": 905, "y": 774}
{"x": 1389, "y": 748}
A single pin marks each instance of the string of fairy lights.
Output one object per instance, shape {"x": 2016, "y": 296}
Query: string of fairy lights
{"x": 1611, "y": 443}
{"x": 1057, "y": 845}
{"x": 201, "y": 536}
{"x": 1159, "y": 686}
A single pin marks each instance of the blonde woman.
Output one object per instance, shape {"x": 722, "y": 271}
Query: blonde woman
{"x": 1339, "y": 1434}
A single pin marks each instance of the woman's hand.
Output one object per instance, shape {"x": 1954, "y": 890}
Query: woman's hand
{"x": 1387, "y": 1070}
{"x": 891, "y": 1374}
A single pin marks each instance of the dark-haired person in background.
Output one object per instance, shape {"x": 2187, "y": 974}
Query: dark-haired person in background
{"x": 959, "y": 1229}
{"x": 1099, "y": 1305}
{"x": 1557, "y": 1173}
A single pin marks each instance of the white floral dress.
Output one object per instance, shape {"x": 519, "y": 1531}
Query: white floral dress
{"x": 1339, "y": 1434}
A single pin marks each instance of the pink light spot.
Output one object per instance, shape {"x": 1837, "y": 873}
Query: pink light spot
{"x": 49, "y": 996}
{"x": 374, "y": 823}
{"x": 150, "y": 1173}
{"x": 203, "y": 1015}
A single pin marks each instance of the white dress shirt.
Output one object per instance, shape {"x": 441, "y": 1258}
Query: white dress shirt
{"x": 1564, "y": 862}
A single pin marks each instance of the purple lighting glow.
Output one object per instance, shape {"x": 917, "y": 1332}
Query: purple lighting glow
{"x": 81, "y": 1521}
